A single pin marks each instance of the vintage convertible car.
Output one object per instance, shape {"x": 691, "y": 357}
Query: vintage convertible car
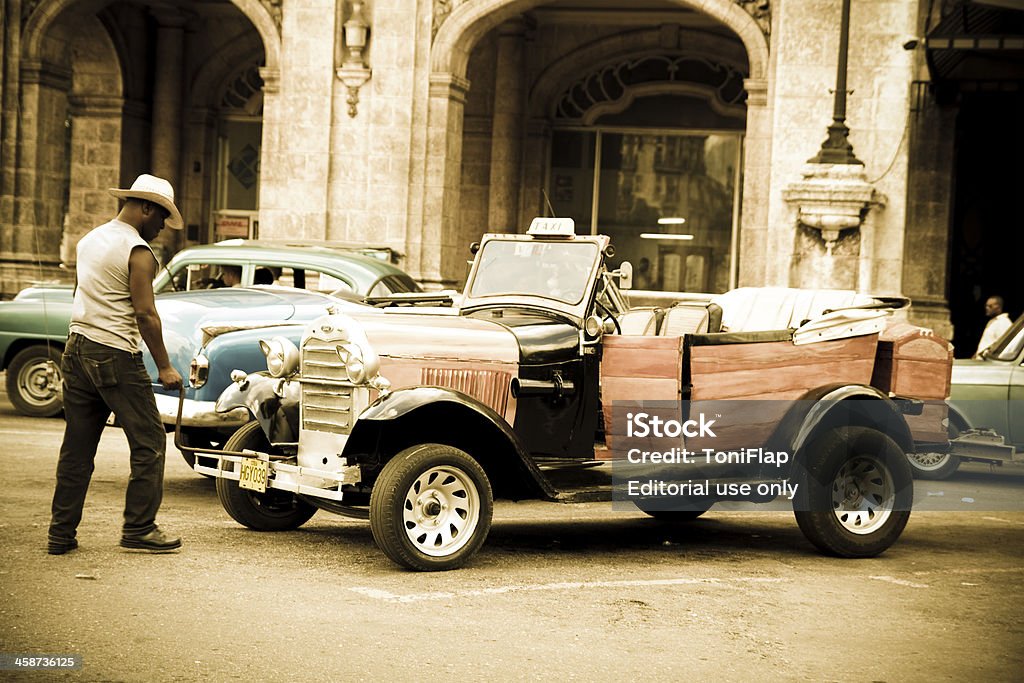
{"x": 987, "y": 402}
{"x": 33, "y": 327}
{"x": 418, "y": 419}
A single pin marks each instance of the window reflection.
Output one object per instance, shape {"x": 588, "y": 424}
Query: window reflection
{"x": 666, "y": 200}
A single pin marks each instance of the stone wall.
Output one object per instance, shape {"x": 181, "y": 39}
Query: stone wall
{"x": 805, "y": 38}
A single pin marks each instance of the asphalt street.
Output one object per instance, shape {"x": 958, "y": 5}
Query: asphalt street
{"x": 558, "y": 592}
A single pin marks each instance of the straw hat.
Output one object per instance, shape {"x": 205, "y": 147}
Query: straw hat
{"x": 156, "y": 190}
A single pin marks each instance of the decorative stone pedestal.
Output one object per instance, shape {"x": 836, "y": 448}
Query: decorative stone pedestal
{"x": 831, "y": 199}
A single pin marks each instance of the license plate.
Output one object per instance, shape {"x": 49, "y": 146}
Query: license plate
{"x": 253, "y": 475}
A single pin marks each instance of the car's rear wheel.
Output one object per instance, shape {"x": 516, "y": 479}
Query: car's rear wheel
{"x": 274, "y": 510}
{"x": 33, "y": 385}
{"x": 431, "y": 507}
{"x": 854, "y": 497}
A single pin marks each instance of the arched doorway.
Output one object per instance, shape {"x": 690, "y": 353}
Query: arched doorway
{"x": 108, "y": 91}
{"x": 506, "y": 76}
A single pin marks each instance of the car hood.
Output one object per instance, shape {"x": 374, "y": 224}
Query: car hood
{"x": 187, "y": 315}
{"x": 969, "y": 371}
{"x": 438, "y": 337}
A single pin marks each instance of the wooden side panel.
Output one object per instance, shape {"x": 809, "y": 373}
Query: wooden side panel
{"x": 639, "y": 368}
{"x": 641, "y": 356}
{"x": 778, "y": 370}
{"x": 913, "y": 362}
{"x": 928, "y": 426}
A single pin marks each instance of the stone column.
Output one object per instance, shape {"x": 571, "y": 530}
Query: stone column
{"x": 757, "y": 158}
{"x": 167, "y": 110}
{"x": 95, "y": 166}
{"x": 196, "y": 191}
{"x": 30, "y": 250}
{"x": 926, "y": 243}
{"x": 10, "y": 63}
{"x": 270, "y": 144}
{"x": 507, "y": 129}
{"x": 536, "y": 152}
{"x": 438, "y": 249}
{"x": 39, "y": 182}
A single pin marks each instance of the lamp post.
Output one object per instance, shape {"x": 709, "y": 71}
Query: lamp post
{"x": 836, "y": 149}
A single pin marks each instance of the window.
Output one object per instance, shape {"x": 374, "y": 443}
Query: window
{"x": 198, "y": 276}
{"x": 301, "y": 278}
{"x": 668, "y": 200}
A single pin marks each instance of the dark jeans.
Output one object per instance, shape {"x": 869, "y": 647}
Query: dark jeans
{"x": 99, "y": 379}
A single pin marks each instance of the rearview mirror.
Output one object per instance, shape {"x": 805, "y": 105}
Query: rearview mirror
{"x": 625, "y": 275}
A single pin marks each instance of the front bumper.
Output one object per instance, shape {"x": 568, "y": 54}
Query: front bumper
{"x": 199, "y": 413}
{"x": 285, "y": 476}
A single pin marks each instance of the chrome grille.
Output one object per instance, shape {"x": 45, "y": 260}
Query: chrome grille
{"x": 327, "y": 395}
{"x": 327, "y": 408}
{"x": 320, "y": 362}
{"x": 490, "y": 387}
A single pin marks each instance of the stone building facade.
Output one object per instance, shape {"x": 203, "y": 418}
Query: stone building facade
{"x": 681, "y": 127}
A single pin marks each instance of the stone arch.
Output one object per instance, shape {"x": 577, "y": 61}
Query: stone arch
{"x": 468, "y": 23}
{"x": 44, "y": 16}
{"x": 560, "y": 74}
{"x": 265, "y": 25}
{"x": 454, "y": 40}
{"x": 212, "y": 77}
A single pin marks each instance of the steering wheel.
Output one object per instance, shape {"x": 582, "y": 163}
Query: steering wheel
{"x": 606, "y": 314}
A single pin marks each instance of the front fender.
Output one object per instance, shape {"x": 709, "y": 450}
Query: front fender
{"x": 406, "y": 417}
{"x": 837, "y": 405}
{"x": 274, "y": 403}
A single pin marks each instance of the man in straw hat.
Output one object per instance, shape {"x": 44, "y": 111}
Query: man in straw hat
{"x": 113, "y": 312}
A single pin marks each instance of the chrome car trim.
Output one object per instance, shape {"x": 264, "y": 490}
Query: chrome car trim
{"x": 285, "y": 476}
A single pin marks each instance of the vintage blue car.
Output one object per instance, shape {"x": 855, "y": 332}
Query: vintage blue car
{"x": 986, "y": 394}
{"x": 226, "y": 324}
{"x": 34, "y": 326}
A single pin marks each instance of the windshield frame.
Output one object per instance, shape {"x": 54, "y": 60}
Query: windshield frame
{"x": 576, "y": 311}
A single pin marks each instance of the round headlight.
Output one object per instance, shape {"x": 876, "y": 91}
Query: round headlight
{"x": 282, "y": 356}
{"x": 360, "y": 363}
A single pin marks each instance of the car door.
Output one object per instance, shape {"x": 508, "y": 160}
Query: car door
{"x": 1015, "y": 404}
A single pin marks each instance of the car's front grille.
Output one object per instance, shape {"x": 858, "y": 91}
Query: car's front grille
{"x": 320, "y": 361}
{"x": 327, "y": 395}
{"x": 327, "y": 408}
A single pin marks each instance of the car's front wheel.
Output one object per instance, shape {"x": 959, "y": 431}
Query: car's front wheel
{"x": 198, "y": 437}
{"x": 34, "y": 385}
{"x": 431, "y": 507}
{"x": 855, "y": 493}
{"x": 273, "y": 510}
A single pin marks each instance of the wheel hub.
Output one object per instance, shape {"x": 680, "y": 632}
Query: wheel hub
{"x": 441, "y": 511}
{"x": 863, "y": 494}
{"x": 40, "y": 383}
{"x": 432, "y": 509}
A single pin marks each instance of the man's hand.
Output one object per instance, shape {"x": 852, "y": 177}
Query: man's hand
{"x": 170, "y": 378}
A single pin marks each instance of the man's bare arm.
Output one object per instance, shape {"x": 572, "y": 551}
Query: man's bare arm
{"x": 141, "y": 269}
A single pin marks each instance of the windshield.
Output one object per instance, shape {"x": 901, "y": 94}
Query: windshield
{"x": 552, "y": 270}
{"x": 1009, "y": 345}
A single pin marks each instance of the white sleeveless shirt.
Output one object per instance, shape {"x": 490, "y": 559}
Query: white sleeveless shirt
{"x": 103, "y": 310}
